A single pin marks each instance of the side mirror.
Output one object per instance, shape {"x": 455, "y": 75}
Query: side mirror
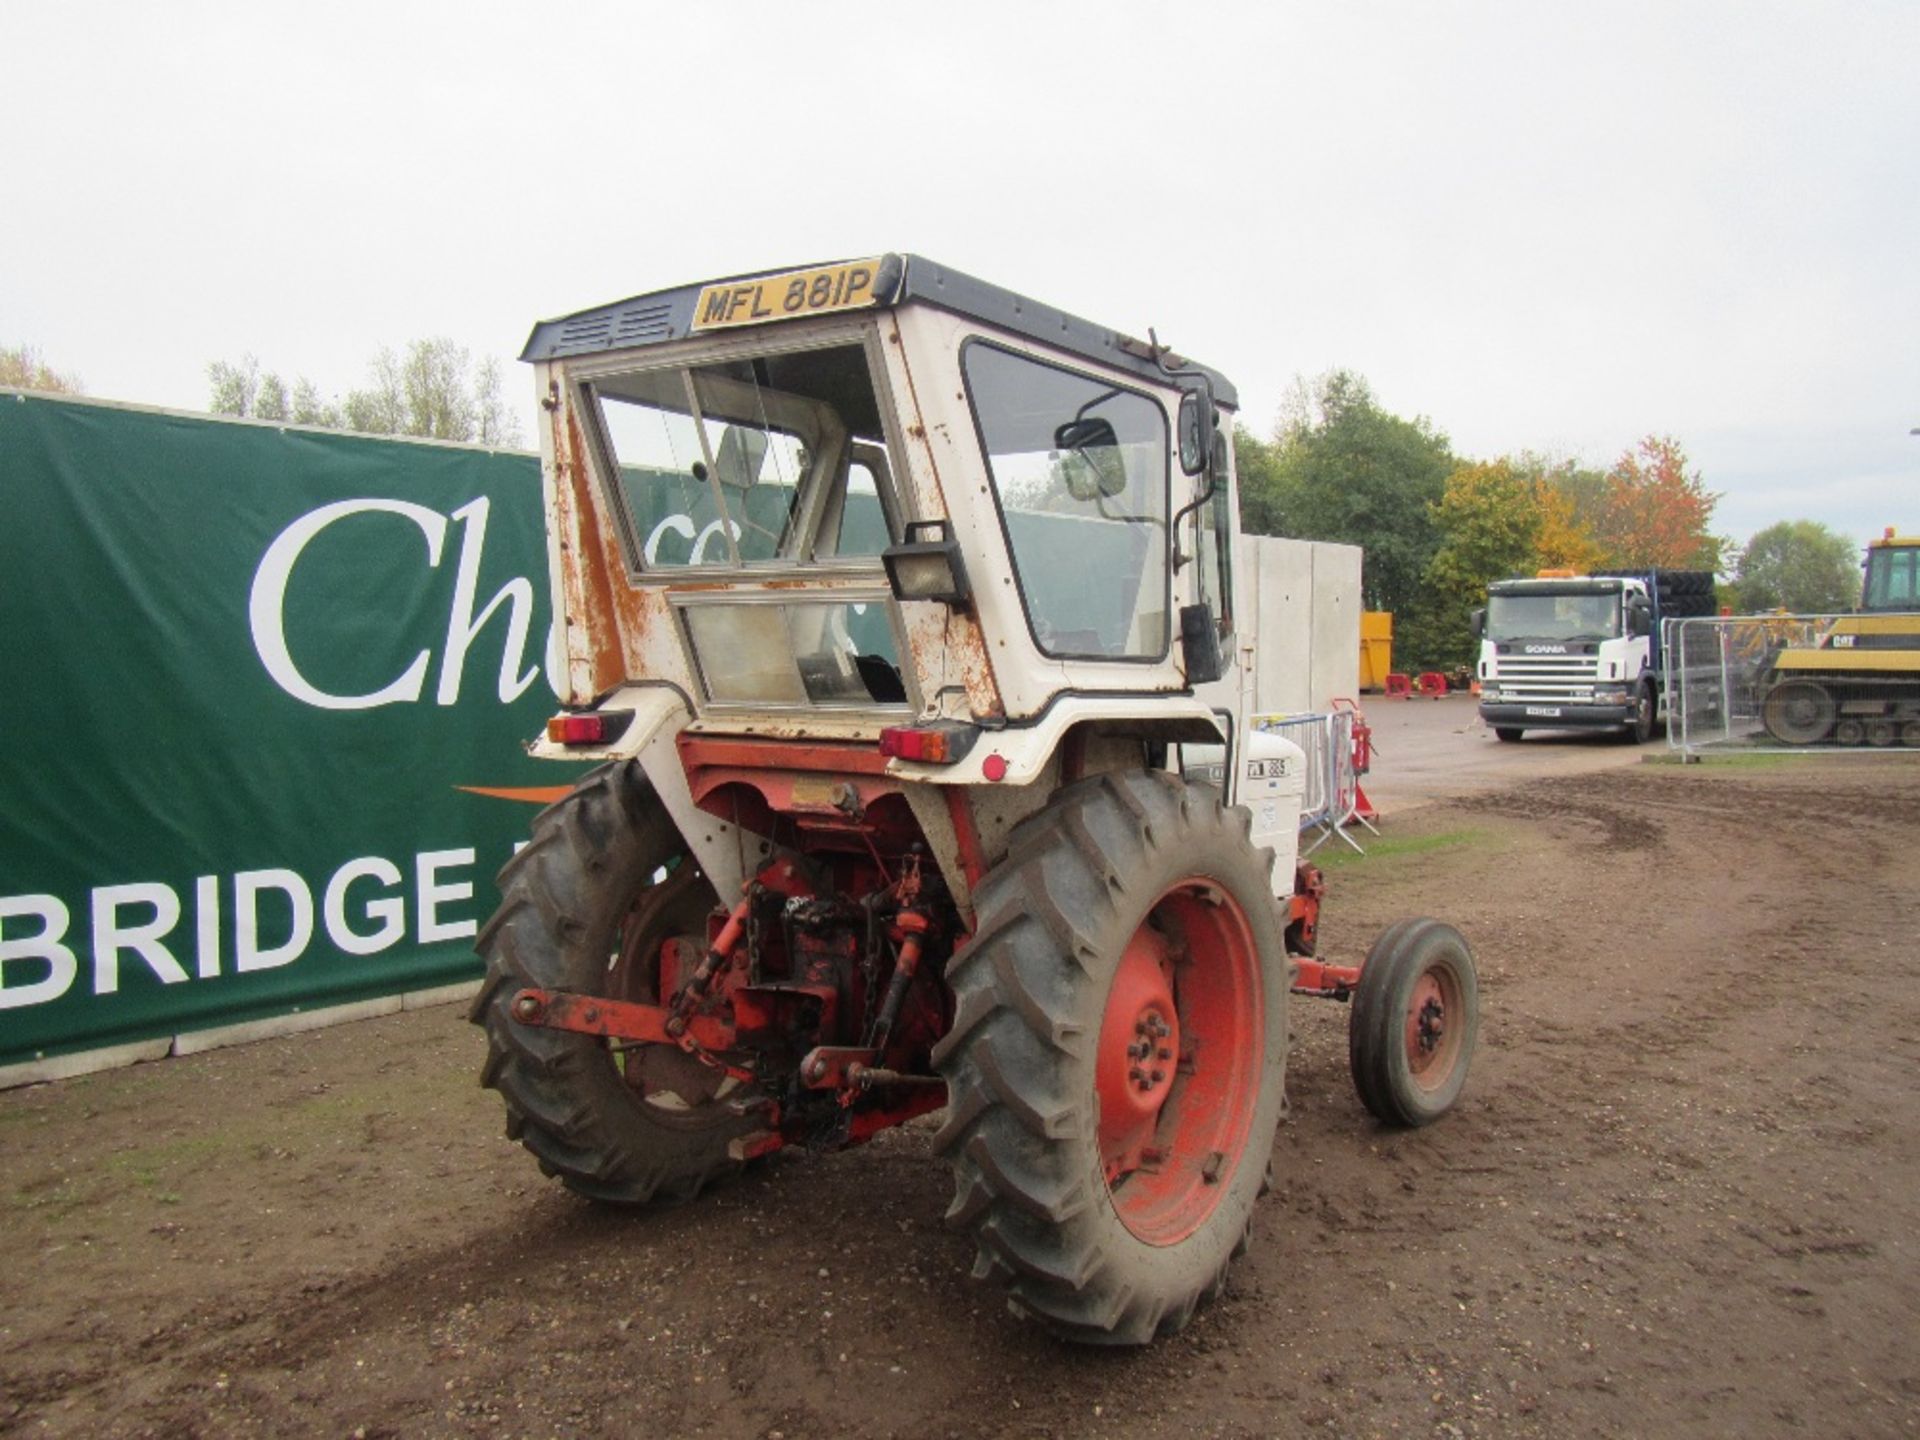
{"x": 743, "y": 450}
{"x": 1093, "y": 467}
{"x": 1197, "y": 420}
{"x": 1639, "y": 620}
{"x": 1479, "y": 622}
{"x": 1200, "y": 644}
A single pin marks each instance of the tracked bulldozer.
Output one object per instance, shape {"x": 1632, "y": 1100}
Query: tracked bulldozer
{"x": 1859, "y": 683}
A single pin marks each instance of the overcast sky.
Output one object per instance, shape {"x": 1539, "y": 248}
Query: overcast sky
{"x": 1543, "y": 226}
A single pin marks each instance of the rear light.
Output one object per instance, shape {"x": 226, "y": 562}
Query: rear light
{"x": 941, "y": 743}
{"x": 591, "y": 727}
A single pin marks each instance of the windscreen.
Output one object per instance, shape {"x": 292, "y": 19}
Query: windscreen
{"x": 1893, "y": 578}
{"x": 1553, "y": 617}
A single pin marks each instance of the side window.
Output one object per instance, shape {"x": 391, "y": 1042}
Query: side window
{"x": 862, "y": 528}
{"x": 1079, "y": 469}
{"x": 1213, "y": 539}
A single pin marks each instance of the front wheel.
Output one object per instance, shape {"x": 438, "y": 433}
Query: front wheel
{"x": 1640, "y": 726}
{"x": 1508, "y": 733}
{"x": 1116, "y": 1063}
{"x": 1416, "y": 1016}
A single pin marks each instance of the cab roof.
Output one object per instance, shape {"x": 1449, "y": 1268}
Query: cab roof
{"x": 898, "y": 279}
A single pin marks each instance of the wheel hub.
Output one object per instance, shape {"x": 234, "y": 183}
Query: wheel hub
{"x": 1432, "y": 1025}
{"x": 1139, "y": 1049}
{"x": 1430, "y": 1044}
{"x": 1179, "y": 1063}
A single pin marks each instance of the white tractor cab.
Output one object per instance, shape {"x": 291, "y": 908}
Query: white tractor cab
{"x": 895, "y": 603}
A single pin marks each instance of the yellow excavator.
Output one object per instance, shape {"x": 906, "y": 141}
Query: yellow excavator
{"x": 1859, "y": 683}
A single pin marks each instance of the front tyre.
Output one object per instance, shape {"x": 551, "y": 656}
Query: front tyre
{"x": 586, "y": 906}
{"x": 1640, "y": 727}
{"x": 1116, "y": 1065}
{"x": 1416, "y": 1016}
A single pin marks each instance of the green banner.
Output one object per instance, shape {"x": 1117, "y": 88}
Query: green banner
{"x": 264, "y": 704}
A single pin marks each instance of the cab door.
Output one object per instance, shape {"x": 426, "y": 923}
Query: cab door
{"x": 1210, "y": 537}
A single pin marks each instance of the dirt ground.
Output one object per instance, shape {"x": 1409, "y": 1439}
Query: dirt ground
{"x": 1680, "y": 1196}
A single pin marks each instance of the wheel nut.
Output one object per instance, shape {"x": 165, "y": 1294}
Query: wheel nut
{"x": 1158, "y": 1076}
{"x": 526, "y": 1007}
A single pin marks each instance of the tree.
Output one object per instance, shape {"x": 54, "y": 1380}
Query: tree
{"x": 434, "y": 390}
{"x": 1257, "y": 464}
{"x": 1344, "y": 469}
{"x": 1797, "y": 565}
{"x": 1491, "y": 516}
{"x": 1653, "y": 511}
{"x": 23, "y": 369}
{"x": 1564, "y": 543}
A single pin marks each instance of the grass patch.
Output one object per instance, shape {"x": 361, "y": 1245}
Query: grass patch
{"x": 1335, "y": 856}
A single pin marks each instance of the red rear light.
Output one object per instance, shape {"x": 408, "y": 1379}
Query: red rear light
{"x": 938, "y": 744}
{"x": 577, "y": 729}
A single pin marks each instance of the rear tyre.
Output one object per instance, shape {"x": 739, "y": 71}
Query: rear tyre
{"x": 1507, "y": 733}
{"x": 1416, "y": 1017}
{"x": 580, "y": 911}
{"x": 1116, "y": 1065}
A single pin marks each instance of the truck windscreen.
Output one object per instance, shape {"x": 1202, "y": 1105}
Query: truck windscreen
{"x": 1553, "y": 617}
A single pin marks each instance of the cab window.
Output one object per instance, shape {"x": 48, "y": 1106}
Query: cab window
{"x": 1079, "y": 469}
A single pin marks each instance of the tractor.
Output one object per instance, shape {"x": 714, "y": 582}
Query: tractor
{"x": 902, "y": 616}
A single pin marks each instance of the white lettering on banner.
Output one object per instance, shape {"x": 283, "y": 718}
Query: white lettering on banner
{"x": 110, "y": 936}
{"x": 266, "y": 609}
{"x": 266, "y": 606}
{"x": 206, "y": 908}
{"x": 46, "y": 948}
{"x": 462, "y": 627}
{"x": 42, "y": 967}
{"x": 389, "y": 910}
{"x": 432, "y": 893}
{"x": 247, "y": 886}
{"x": 678, "y": 524}
{"x": 682, "y": 526}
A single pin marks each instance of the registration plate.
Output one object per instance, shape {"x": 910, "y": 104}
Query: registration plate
{"x": 790, "y": 296}
{"x": 1545, "y": 712}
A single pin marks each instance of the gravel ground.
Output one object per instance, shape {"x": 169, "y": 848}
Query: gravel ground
{"x": 1679, "y": 1197}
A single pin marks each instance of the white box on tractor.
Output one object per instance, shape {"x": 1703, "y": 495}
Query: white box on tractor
{"x": 898, "y": 607}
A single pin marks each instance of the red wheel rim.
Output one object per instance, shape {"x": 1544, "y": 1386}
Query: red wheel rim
{"x": 1433, "y": 1025}
{"x": 1180, "y": 1061}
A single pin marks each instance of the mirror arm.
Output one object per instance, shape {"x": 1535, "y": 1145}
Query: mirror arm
{"x": 1213, "y": 483}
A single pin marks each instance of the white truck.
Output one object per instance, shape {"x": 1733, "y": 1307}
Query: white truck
{"x": 1581, "y": 652}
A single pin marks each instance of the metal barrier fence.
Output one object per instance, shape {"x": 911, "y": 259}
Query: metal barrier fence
{"x": 1331, "y": 800}
{"x": 1792, "y": 683}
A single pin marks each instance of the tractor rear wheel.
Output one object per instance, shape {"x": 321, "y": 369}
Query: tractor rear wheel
{"x": 587, "y": 906}
{"x": 1116, "y": 1065}
{"x": 1416, "y": 1015}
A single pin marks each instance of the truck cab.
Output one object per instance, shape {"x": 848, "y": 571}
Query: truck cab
{"x": 1569, "y": 652}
